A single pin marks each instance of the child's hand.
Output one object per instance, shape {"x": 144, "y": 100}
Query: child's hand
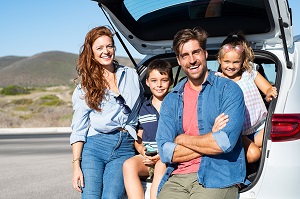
{"x": 143, "y": 151}
{"x": 220, "y": 122}
{"x": 151, "y": 160}
{"x": 271, "y": 92}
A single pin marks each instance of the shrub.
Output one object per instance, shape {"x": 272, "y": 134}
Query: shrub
{"x": 51, "y": 100}
{"x": 22, "y": 101}
{"x": 14, "y": 90}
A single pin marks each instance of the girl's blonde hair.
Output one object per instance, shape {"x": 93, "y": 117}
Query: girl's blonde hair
{"x": 247, "y": 55}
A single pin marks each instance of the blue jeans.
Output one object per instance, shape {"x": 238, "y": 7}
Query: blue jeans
{"x": 103, "y": 156}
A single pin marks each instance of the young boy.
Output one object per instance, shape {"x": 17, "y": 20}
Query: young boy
{"x": 159, "y": 78}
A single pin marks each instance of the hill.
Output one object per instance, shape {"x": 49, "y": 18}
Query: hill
{"x": 8, "y": 60}
{"x": 52, "y": 68}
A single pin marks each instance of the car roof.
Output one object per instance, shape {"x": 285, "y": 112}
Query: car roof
{"x": 150, "y": 25}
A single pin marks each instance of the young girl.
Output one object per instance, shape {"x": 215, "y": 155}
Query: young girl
{"x": 235, "y": 58}
{"x": 159, "y": 78}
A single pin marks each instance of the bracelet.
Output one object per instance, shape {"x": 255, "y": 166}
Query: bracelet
{"x": 77, "y": 159}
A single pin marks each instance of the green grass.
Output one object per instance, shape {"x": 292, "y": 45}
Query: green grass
{"x": 21, "y": 108}
{"x": 25, "y": 117}
{"x": 22, "y": 101}
{"x": 67, "y": 117}
{"x": 50, "y": 100}
{"x": 14, "y": 90}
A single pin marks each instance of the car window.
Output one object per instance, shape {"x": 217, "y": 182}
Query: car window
{"x": 192, "y": 8}
{"x": 179, "y": 74}
{"x": 139, "y": 9}
{"x": 164, "y": 18}
{"x": 268, "y": 71}
{"x": 265, "y": 67}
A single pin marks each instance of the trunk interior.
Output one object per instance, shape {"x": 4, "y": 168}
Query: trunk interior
{"x": 268, "y": 66}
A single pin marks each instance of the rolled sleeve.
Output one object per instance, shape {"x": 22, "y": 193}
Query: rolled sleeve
{"x": 78, "y": 133}
{"x": 168, "y": 150}
{"x": 80, "y": 122}
{"x": 222, "y": 140}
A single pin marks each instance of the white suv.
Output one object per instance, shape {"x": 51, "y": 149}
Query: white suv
{"x": 150, "y": 27}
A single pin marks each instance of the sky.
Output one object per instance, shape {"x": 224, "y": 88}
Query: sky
{"x": 31, "y": 27}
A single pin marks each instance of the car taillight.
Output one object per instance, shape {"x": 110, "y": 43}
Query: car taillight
{"x": 285, "y": 127}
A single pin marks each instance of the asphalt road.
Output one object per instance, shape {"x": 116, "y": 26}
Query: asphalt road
{"x": 36, "y": 166}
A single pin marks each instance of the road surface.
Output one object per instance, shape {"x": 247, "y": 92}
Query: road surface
{"x": 36, "y": 166}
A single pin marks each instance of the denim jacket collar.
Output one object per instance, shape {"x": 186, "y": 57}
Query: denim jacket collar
{"x": 180, "y": 86}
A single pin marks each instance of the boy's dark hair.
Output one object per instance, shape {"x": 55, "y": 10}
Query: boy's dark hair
{"x": 162, "y": 66}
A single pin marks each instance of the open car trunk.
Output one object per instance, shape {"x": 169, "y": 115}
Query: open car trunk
{"x": 149, "y": 26}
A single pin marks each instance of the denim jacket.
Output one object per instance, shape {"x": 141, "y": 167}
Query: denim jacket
{"x": 218, "y": 95}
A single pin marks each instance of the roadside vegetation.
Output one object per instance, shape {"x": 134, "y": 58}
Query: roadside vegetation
{"x": 14, "y": 90}
{"x": 36, "y": 107}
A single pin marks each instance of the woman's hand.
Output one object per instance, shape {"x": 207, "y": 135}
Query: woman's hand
{"x": 77, "y": 179}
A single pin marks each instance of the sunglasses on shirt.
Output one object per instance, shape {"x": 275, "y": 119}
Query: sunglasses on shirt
{"x": 121, "y": 101}
{"x": 238, "y": 48}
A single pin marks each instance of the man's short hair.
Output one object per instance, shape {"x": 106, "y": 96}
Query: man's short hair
{"x": 185, "y": 35}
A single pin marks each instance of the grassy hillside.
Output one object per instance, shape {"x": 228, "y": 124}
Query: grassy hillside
{"x": 8, "y": 60}
{"x": 44, "y": 69}
{"x": 41, "y": 70}
{"x": 49, "y": 76}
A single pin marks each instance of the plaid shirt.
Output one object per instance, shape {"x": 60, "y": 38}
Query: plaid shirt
{"x": 256, "y": 111}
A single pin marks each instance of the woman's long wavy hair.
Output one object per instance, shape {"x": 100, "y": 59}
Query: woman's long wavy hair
{"x": 90, "y": 72}
{"x": 247, "y": 55}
